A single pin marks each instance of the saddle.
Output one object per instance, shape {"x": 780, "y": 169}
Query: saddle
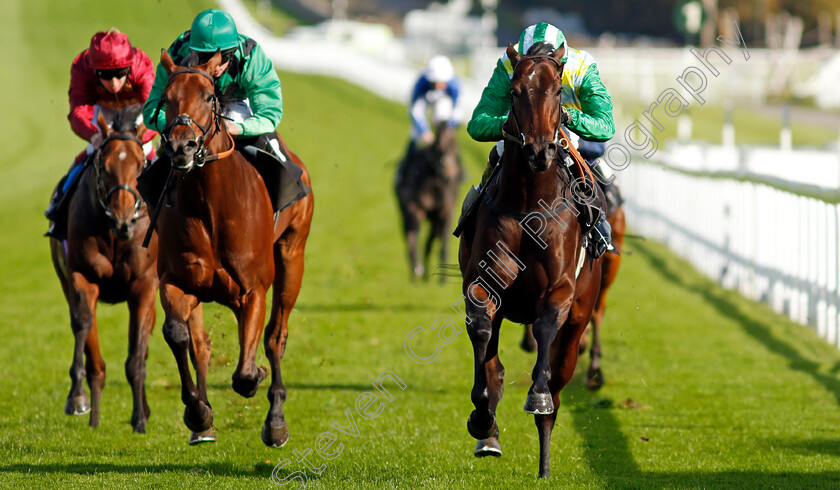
{"x": 282, "y": 178}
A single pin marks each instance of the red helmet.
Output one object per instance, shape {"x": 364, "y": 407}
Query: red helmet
{"x": 109, "y": 50}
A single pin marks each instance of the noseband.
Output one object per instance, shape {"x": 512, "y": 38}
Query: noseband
{"x": 200, "y": 158}
{"x": 104, "y": 195}
{"x": 520, "y": 138}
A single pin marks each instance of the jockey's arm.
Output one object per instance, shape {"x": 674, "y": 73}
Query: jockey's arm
{"x": 262, "y": 85}
{"x": 417, "y": 108}
{"x": 81, "y": 104}
{"x": 492, "y": 110}
{"x": 144, "y": 79}
{"x": 594, "y": 121}
{"x": 156, "y": 120}
{"x": 453, "y": 89}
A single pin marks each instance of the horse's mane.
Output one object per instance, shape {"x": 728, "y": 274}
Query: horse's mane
{"x": 126, "y": 120}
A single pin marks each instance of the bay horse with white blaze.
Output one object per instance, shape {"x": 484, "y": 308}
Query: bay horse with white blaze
{"x": 103, "y": 260}
{"x": 429, "y": 190}
{"x": 219, "y": 241}
{"x": 525, "y": 279}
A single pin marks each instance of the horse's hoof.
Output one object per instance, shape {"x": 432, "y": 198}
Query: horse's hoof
{"x": 539, "y": 403}
{"x": 419, "y": 271}
{"x": 275, "y": 436}
{"x": 77, "y": 405}
{"x": 247, "y": 386}
{"x": 201, "y": 421}
{"x": 594, "y": 380}
{"x": 478, "y": 432}
{"x": 208, "y": 435}
{"x": 488, "y": 447}
{"x": 139, "y": 428}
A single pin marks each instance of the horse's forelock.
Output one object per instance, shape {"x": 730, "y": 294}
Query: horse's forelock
{"x": 126, "y": 120}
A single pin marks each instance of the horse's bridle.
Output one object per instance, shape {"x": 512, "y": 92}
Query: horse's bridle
{"x": 562, "y": 142}
{"x": 104, "y": 195}
{"x": 200, "y": 158}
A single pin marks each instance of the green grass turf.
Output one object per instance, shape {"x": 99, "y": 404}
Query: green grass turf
{"x": 724, "y": 392}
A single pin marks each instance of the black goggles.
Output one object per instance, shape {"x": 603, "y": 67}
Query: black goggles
{"x": 204, "y": 56}
{"x": 113, "y": 73}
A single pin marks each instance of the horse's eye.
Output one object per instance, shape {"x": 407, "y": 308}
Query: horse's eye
{"x": 209, "y": 98}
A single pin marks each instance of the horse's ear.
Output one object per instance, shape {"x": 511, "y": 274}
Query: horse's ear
{"x": 212, "y": 64}
{"x": 140, "y": 131}
{"x": 559, "y": 54}
{"x": 103, "y": 125}
{"x": 167, "y": 62}
{"x": 512, "y": 55}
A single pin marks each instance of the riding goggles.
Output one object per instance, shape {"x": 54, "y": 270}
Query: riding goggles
{"x": 110, "y": 73}
{"x": 204, "y": 56}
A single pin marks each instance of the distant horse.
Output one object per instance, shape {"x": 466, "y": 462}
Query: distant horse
{"x": 524, "y": 278}
{"x": 219, "y": 241}
{"x": 609, "y": 270}
{"x": 103, "y": 260}
{"x": 429, "y": 191}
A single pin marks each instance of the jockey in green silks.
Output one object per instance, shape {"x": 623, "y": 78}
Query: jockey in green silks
{"x": 587, "y": 112}
{"x": 248, "y": 89}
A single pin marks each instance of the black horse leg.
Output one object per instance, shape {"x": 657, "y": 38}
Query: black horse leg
{"x": 482, "y": 421}
{"x": 495, "y": 375}
{"x": 545, "y": 330}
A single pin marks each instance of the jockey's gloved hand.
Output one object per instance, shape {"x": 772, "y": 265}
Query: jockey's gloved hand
{"x": 564, "y": 117}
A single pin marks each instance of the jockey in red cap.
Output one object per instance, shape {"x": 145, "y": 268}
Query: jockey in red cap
{"x": 110, "y": 75}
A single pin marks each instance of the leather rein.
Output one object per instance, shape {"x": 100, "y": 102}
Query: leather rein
{"x": 103, "y": 195}
{"x": 200, "y": 158}
{"x": 520, "y": 138}
{"x": 560, "y": 140}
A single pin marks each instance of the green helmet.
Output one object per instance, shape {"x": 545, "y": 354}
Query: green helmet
{"x": 213, "y": 30}
{"x": 542, "y": 32}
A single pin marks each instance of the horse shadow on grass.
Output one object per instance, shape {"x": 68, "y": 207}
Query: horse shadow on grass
{"x": 722, "y": 301}
{"x": 607, "y": 451}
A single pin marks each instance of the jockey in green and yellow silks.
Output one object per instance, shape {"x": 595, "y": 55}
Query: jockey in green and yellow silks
{"x": 587, "y": 103}
{"x": 587, "y": 111}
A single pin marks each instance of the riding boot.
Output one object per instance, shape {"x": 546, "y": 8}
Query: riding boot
{"x": 594, "y": 225}
{"x": 599, "y": 240}
{"x": 57, "y": 209}
{"x": 282, "y": 178}
{"x": 472, "y": 198}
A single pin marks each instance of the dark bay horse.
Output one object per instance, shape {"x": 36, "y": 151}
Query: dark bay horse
{"x": 103, "y": 260}
{"x": 429, "y": 191}
{"x": 609, "y": 270}
{"x": 219, "y": 241}
{"x": 538, "y": 278}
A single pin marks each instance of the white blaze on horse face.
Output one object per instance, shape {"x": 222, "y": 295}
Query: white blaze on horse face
{"x": 122, "y": 155}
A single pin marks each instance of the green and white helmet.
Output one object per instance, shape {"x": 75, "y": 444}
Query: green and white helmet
{"x": 213, "y": 30}
{"x": 542, "y": 32}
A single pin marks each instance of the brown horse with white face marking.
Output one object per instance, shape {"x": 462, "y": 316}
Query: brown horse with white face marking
{"x": 103, "y": 260}
{"x": 527, "y": 277}
{"x": 219, "y": 241}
